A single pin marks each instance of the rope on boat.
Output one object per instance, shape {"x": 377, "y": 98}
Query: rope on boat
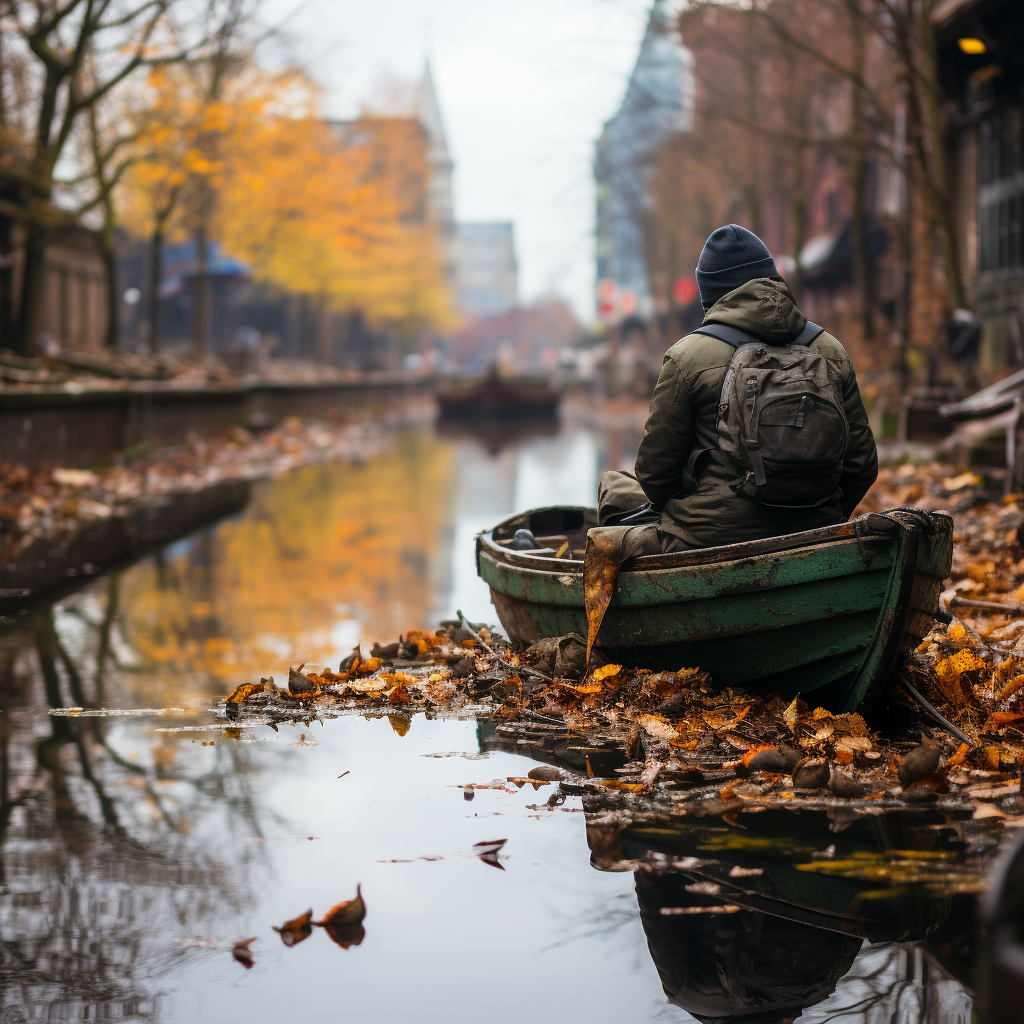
{"x": 944, "y": 722}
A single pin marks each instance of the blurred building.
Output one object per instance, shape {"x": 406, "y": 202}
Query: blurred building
{"x": 74, "y": 303}
{"x": 658, "y": 103}
{"x": 533, "y": 336}
{"x": 485, "y": 276}
{"x": 981, "y": 62}
{"x": 440, "y": 204}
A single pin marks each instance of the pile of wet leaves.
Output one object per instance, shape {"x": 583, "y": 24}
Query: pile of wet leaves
{"x": 639, "y": 731}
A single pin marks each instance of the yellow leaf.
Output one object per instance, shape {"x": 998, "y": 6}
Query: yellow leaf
{"x": 606, "y": 672}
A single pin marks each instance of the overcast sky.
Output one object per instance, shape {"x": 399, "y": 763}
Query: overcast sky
{"x": 524, "y": 89}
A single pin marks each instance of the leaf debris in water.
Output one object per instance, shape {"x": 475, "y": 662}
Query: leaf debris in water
{"x": 115, "y": 712}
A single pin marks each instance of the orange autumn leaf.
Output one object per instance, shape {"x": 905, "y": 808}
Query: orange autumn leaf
{"x": 239, "y": 693}
{"x": 753, "y": 752}
{"x": 1000, "y": 718}
{"x": 950, "y": 669}
{"x": 1011, "y": 687}
{"x": 297, "y": 930}
{"x": 400, "y": 723}
{"x": 367, "y": 667}
{"x": 606, "y": 672}
{"x": 958, "y": 756}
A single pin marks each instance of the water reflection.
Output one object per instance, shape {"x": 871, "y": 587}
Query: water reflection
{"x": 133, "y": 856}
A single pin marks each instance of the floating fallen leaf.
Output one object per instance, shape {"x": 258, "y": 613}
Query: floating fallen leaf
{"x": 400, "y": 723}
{"x": 605, "y": 672}
{"x": 241, "y": 952}
{"x": 298, "y": 683}
{"x": 343, "y": 922}
{"x": 487, "y": 850}
{"x": 239, "y": 693}
{"x": 297, "y": 930}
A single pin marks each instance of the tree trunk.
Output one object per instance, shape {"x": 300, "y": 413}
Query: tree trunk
{"x": 109, "y": 250}
{"x": 858, "y": 178}
{"x": 113, "y": 332}
{"x": 798, "y": 214}
{"x": 6, "y": 282}
{"x": 156, "y": 259}
{"x": 905, "y": 226}
{"x": 30, "y": 312}
{"x": 752, "y": 69}
{"x": 943, "y": 199}
{"x": 202, "y": 310}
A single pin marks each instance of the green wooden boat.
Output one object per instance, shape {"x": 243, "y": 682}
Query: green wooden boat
{"x": 827, "y": 611}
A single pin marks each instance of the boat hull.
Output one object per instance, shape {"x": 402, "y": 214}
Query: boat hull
{"x": 497, "y": 397}
{"x": 828, "y": 610}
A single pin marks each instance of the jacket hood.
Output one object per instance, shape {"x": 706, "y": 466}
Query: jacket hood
{"x": 764, "y": 307}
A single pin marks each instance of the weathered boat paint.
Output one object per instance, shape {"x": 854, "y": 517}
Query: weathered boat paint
{"x": 827, "y": 610}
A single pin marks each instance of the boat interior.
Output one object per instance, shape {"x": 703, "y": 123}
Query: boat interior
{"x": 561, "y": 532}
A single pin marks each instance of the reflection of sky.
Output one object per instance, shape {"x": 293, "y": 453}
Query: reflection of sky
{"x": 446, "y": 940}
{"x": 561, "y": 470}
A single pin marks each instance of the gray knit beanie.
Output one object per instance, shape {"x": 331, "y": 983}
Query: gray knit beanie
{"x": 731, "y": 256}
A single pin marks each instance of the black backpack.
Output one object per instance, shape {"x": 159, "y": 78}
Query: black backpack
{"x": 781, "y": 418}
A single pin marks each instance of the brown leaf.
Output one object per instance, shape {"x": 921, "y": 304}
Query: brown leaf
{"x": 297, "y": 930}
{"x": 345, "y": 935}
{"x": 351, "y": 912}
{"x": 600, "y": 571}
{"x": 298, "y": 683}
{"x": 488, "y": 850}
{"x": 241, "y": 952}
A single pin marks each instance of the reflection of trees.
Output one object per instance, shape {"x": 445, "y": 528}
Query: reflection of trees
{"x": 894, "y": 984}
{"x": 99, "y": 874}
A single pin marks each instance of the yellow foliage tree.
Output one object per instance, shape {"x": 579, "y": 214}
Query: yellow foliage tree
{"x": 333, "y": 212}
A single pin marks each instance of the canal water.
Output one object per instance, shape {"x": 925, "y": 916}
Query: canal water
{"x": 136, "y": 851}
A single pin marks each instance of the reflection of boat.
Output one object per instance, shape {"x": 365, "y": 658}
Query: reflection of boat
{"x": 1001, "y": 962}
{"x": 497, "y": 434}
{"x": 826, "y": 610}
{"x": 739, "y": 931}
{"x": 496, "y": 395}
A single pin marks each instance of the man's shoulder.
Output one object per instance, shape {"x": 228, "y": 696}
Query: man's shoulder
{"x": 696, "y": 352}
{"x": 832, "y": 349}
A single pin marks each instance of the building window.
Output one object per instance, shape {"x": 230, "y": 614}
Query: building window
{"x": 1001, "y": 191}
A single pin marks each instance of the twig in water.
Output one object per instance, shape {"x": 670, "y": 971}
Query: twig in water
{"x": 944, "y": 722}
{"x": 343, "y": 774}
{"x": 490, "y": 650}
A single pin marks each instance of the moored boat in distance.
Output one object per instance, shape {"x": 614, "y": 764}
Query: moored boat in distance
{"x": 498, "y": 395}
{"x": 826, "y": 611}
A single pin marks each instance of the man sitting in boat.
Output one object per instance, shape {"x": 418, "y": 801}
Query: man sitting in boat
{"x": 782, "y": 445}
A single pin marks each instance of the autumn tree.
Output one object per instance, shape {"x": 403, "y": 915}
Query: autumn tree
{"x": 332, "y": 212}
{"x": 70, "y": 56}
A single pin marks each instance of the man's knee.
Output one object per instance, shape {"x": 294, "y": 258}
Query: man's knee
{"x": 618, "y": 491}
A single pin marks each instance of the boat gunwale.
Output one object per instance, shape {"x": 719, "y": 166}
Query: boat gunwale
{"x": 694, "y": 557}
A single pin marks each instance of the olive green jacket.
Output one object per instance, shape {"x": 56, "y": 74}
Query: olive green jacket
{"x": 679, "y": 465}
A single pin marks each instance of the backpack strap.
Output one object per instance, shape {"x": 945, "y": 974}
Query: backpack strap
{"x": 735, "y": 337}
{"x": 730, "y": 335}
{"x": 807, "y": 335}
